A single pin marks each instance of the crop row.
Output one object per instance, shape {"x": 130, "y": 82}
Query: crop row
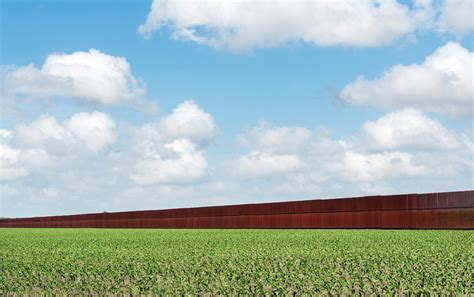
{"x": 222, "y": 262}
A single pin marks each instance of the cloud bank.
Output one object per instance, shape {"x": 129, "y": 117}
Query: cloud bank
{"x": 442, "y": 84}
{"x": 72, "y": 163}
{"x": 90, "y": 76}
{"x": 172, "y": 150}
{"x": 240, "y": 26}
{"x": 244, "y": 25}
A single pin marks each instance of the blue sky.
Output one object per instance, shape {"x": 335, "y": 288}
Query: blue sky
{"x": 271, "y": 80}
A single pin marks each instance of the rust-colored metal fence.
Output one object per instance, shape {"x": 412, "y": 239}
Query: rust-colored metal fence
{"x": 449, "y": 210}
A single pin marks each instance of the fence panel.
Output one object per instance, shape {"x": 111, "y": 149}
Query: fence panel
{"x": 449, "y": 210}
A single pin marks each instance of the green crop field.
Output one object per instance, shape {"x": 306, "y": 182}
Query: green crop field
{"x": 222, "y": 262}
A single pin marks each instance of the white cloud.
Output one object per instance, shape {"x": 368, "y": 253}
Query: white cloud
{"x": 148, "y": 168}
{"x": 45, "y": 132}
{"x": 274, "y": 150}
{"x": 10, "y": 167}
{"x": 90, "y": 76}
{"x": 188, "y": 166}
{"x": 410, "y": 129}
{"x": 45, "y": 142}
{"x": 188, "y": 121}
{"x": 457, "y": 16}
{"x": 90, "y": 158}
{"x": 276, "y": 139}
{"x": 240, "y": 25}
{"x": 261, "y": 164}
{"x": 374, "y": 167}
{"x": 171, "y": 151}
{"x": 95, "y": 130}
{"x": 401, "y": 150}
{"x": 91, "y": 131}
{"x": 244, "y": 25}
{"x": 443, "y": 84}
{"x": 16, "y": 163}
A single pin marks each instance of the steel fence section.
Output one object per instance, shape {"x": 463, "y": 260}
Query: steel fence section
{"x": 447, "y": 210}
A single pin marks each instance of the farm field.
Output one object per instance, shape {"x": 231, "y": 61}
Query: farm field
{"x": 222, "y": 262}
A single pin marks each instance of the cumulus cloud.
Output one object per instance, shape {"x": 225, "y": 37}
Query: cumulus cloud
{"x": 150, "y": 166}
{"x": 456, "y": 16}
{"x": 188, "y": 166}
{"x": 285, "y": 139}
{"x": 188, "y": 121}
{"x": 443, "y": 84}
{"x": 340, "y": 161}
{"x": 45, "y": 132}
{"x": 10, "y": 167}
{"x": 16, "y": 163}
{"x": 95, "y": 130}
{"x": 244, "y": 25}
{"x": 273, "y": 150}
{"x": 400, "y": 149}
{"x": 261, "y": 164}
{"x": 44, "y": 160}
{"x": 46, "y": 142}
{"x": 410, "y": 129}
{"x": 90, "y": 76}
{"x": 171, "y": 151}
{"x": 91, "y": 131}
{"x": 375, "y": 167}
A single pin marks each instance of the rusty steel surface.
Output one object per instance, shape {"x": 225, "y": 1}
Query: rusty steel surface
{"x": 449, "y": 210}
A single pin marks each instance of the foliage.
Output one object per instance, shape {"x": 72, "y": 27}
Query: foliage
{"x": 223, "y": 262}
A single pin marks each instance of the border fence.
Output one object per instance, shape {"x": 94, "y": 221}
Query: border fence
{"x": 448, "y": 210}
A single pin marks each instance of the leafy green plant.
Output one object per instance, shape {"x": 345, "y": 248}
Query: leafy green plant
{"x": 230, "y": 262}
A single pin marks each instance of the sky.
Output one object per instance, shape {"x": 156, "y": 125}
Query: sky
{"x": 128, "y": 105}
